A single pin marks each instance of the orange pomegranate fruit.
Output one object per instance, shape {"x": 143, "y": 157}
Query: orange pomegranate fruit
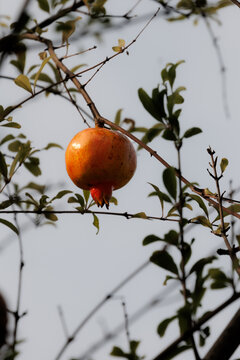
{"x": 100, "y": 160}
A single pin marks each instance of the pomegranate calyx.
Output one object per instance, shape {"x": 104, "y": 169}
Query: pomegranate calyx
{"x": 102, "y": 194}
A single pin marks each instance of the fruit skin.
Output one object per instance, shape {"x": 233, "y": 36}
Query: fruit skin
{"x": 100, "y": 160}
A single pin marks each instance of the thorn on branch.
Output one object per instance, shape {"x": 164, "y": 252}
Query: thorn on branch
{"x": 234, "y": 250}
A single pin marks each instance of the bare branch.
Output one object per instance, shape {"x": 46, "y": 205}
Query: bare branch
{"x": 227, "y": 342}
{"x": 98, "y": 306}
{"x": 223, "y": 227}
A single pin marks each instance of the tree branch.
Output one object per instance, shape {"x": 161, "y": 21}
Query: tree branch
{"x": 227, "y": 342}
{"x": 165, "y": 353}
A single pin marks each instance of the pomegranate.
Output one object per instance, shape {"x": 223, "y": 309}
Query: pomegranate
{"x": 100, "y": 160}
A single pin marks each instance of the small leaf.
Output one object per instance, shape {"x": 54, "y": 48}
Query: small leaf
{"x": 121, "y": 42}
{"x": 162, "y": 327}
{"x": 113, "y": 200}
{"x": 3, "y": 166}
{"x": 51, "y": 217}
{"x": 116, "y": 351}
{"x": 223, "y": 164}
{"x": 200, "y": 264}
{"x": 171, "y": 237}
{"x": 43, "y": 4}
{"x": 86, "y": 194}
{"x": 117, "y": 119}
{"x": 191, "y": 132}
{"x": 164, "y": 260}
{"x": 203, "y": 221}
{"x": 117, "y": 48}
{"x": 96, "y": 223}
{"x": 23, "y": 82}
{"x": 45, "y": 61}
{"x": 170, "y": 182}
{"x": 200, "y": 202}
{"x": 60, "y": 194}
{"x": 12, "y": 125}
{"x": 140, "y": 215}
{"x": 149, "y": 105}
{"x": 150, "y": 239}
{"x": 10, "y": 225}
{"x": 51, "y": 145}
{"x": 6, "y": 139}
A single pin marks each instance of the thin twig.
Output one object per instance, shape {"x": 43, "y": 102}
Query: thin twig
{"x": 221, "y": 64}
{"x": 78, "y": 53}
{"x": 126, "y": 321}
{"x": 182, "y": 247}
{"x": 72, "y": 99}
{"x": 84, "y": 211}
{"x": 98, "y": 306}
{"x": 17, "y": 315}
{"x": 47, "y": 89}
{"x": 63, "y": 321}
{"x": 220, "y": 207}
{"x": 132, "y": 8}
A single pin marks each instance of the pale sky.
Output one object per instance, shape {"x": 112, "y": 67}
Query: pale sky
{"x": 70, "y": 265}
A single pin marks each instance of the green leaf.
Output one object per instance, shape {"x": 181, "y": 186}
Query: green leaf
{"x": 80, "y": 200}
{"x": 10, "y": 225}
{"x": 75, "y": 68}
{"x": 149, "y": 104}
{"x": 200, "y": 202}
{"x": 60, "y": 194}
{"x": 113, "y": 200}
{"x": 3, "y": 166}
{"x": 32, "y": 166}
{"x": 52, "y": 145}
{"x": 169, "y": 135}
{"x": 117, "y": 351}
{"x": 170, "y": 182}
{"x": 200, "y": 264}
{"x": 162, "y": 327}
{"x": 37, "y": 187}
{"x": 191, "y": 132}
{"x": 158, "y": 100}
{"x": 152, "y": 133}
{"x": 51, "y": 217}
{"x": 184, "y": 318}
{"x": 45, "y": 61}
{"x": 23, "y": 82}
{"x": 140, "y": 215}
{"x": 203, "y": 221}
{"x": 150, "y": 239}
{"x": 96, "y": 223}
{"x": 86, "y": 194}
{"x": 133, "y": 346}
{"x": 15, "y": 146}
{"x": 171, "y": 237}
{"x": 117, "y": 119}
{"x": 12, "y": 125}
{"x": 6, "y": 139}
{"x": 164, "y": 260}
{"x": 43, "y": 4}
{"x": 223, "y": 164}
{"x": 43, "y": 77}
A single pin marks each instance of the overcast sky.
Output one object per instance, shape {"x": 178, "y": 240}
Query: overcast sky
{"x": 70, "y": 265}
